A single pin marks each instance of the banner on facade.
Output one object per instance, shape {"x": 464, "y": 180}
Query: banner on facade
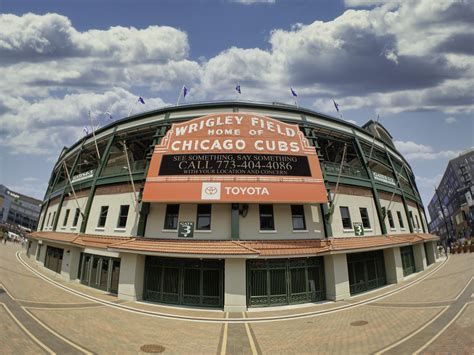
{"x": 234, "y": 157}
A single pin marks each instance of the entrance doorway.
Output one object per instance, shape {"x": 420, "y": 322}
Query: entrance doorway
{"x": 274, "y": 282}
{"x": 190, "y": 282}
{"x": 366, "y": 271}
{"x": 54, "y": 259}
{"x": 408, "y": 260}
{"x": 100, "y": 272}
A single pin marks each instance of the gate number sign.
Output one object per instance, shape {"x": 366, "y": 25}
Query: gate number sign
{"x": 186, "y": 229}
{"x": 358, "y": 228}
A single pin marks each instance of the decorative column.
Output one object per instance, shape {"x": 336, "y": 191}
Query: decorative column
{"x": 235, "y": 285}
{"x": 337, "y": 277}
{"x": 419, "y": 255}
{"x": 132, "y": 274}
{"x": 393, "y": 265}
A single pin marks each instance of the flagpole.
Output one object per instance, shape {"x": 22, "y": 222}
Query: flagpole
{"x": 130, "y": 175}
{"x": 337, "y": 181}
{"x": 373, "y": 140}
{"x": 179, "y": 96}
{"x": 93, "y": 135}
{"x": 72, "y": 188}
{"x": 131, "y": 108}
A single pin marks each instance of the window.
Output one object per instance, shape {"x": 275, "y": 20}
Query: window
{"x": 364, "y": 215}
{"x": 49, "y": 216}
{"x": 417, "y": 222}
{"x": 76, "y": 217}
{"x": 390, "y": 219}
{"x": 346, "y": 217}
{"x": 66, "y": 217}
{"x": 400, "y": 219}
{"x": 103, "y": 216}
{"x": 203, "y": 219}
{"x": 411, "y": 219}
{"x": 266, "y": 217}
{"x": 171, "y": 217}
{"x": 54, "y": 216}
{"x": 122, "y": 220}
{"x": 297, "y": 217}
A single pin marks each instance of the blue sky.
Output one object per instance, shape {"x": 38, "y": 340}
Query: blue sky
{"x": 412, "y": 62}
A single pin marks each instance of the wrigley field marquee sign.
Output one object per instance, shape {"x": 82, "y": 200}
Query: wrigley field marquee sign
{"x": 234, "y": 157}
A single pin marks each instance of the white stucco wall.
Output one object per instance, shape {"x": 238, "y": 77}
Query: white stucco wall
{"x": 415, "y": 213}
{"x": 249, "y": 226}
{"x": 114, "y": 201}
{"x": 40, "y": 220}
{"x": 220, "y": 221}
{"x": 51, "y": 209}
{"x": 71, "y": 205}
{"x": 395, "y": 207}
{"x": 354, "y": 203}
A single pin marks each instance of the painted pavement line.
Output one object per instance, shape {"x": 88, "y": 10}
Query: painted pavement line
{"x": 27, "y": 332}
{"x": 224, "y": 335}
{"x": 64, "y": 308}
{"x": 404, "y": 305}
{"x": 74, "y": 345}
{"x": 464, "y": 288}
{"x": 229, "y": 320}
{"x": 44, "y": 325}
{"x": 402, "y": 340}
{"x": 442, "y": 330}
{"x": 249, "y": 335}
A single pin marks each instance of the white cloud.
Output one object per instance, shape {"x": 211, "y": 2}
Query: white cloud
{"x": 450, "y": 120}
{"x": 410, "y": 55}
{"x": 49, "y": 124}
{"x": 41, "y": 37}
{"x": 414, "y": 151}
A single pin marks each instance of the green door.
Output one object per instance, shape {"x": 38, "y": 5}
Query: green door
{"x": 274, "y": 282}
{"x": 408, "y": 260}
{"x": 191, "y": 282}
{"x": 366, "y": 271}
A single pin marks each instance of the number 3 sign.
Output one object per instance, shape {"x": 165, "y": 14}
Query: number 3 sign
{"x": 186, "y": 229}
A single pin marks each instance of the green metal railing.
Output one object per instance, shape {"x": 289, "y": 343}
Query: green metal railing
{"x": 347, "y": 170}
{"x": 122, "y": 169}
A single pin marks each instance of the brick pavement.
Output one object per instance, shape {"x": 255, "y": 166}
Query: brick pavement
{"x": 458, "y": 338}
{"x": 105, "y": 329}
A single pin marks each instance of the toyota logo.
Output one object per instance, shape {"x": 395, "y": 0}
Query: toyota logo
{"x": 211, "y": 190}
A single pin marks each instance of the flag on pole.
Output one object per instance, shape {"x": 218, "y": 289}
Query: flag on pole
{"x": 293, "y": 92}
{"x": 140, "y": 100}
{"x": 108, "y": 114}
{"x": 185, "y": 91}
{"x": 85, "y": 130}
{"x": 336, "y": 105}
{"x": 237, "y": 88}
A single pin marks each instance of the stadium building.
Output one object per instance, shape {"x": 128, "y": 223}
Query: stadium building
{"x": 233, "y": 205}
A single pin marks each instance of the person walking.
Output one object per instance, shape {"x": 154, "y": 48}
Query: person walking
{"x": 5, "y": 237}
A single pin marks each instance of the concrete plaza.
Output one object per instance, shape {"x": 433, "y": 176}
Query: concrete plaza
{"x": 430, "y": 312}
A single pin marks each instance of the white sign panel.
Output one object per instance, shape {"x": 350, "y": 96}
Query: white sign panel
{"x": 384, "y": 178}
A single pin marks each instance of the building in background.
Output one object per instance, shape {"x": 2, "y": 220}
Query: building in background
{"x": 233, "y": 205}
{"x": 451, "y": 208}
{"x": 18, "y": 209}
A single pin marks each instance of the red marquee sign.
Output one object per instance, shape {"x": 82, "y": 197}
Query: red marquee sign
{"x": 234, "y": 157}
